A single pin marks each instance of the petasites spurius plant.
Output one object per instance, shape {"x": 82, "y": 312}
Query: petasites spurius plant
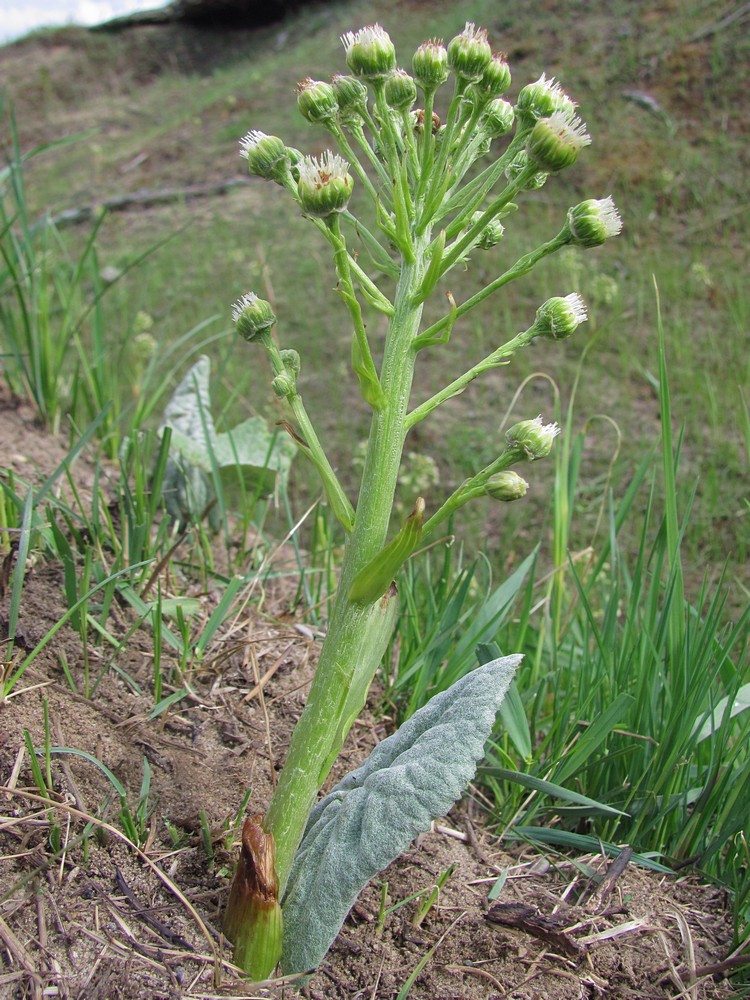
{"x": 439, "y": 190}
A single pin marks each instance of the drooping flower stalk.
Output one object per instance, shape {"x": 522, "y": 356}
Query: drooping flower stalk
{"x": 429, "y": 218}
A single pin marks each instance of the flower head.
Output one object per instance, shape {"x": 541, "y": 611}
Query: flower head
{"x": 324, "y": 184}
{"x": 469, "y": 54}
{"x": 541, "y": 100}
{"x": 400, "y": 90}
{"x": 369, "y": 52}
{"x": 316, "y": 101}
{"x": 555, "y": 142}
{"x": 430, "y": 65}
{"x": 266, "y": 155}
{"x": 252, "y": 316}
{"x": 496, "y": 77}
{"x": 594, "y": 221}
{"x": 351, "y": 95}
{"x": 531, "y": 438}
{"x": 497, "y": 119}
{"x": 559, "y": 317}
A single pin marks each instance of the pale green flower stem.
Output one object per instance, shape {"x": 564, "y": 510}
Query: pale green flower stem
{"x": 320, "y": 732}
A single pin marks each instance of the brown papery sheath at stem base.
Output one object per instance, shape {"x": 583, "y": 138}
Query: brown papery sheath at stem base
{"x": 253, "y": 921}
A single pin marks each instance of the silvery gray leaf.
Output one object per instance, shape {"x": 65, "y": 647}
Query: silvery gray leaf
{"x": 375, "y": 812}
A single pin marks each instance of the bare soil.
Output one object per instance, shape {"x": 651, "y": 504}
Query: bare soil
{"x": 99, "y": 917}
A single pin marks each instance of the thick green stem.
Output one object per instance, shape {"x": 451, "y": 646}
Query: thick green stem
{"x": 324, "y": 723}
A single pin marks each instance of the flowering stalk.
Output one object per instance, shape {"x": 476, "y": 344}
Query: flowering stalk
{"x": 412, "y": 168}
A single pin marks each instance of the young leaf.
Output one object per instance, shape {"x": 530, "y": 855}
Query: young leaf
{"x": 375, "y": 812}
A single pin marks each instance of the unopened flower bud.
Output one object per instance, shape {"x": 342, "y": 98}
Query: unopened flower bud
{"x": 430, "y": 65}
{"x": 295, "y": 158}
{"x": 532, "y": 438}
{"x": 400, "y": 90}
{"x": 351, "y": 95}
{"x": 559, "y": 317}
{"x": 594, "y": 221}
{"x": 266, "y": 155}
{"x": 324, "y": 185}
{"x": 496, "y": 77}
{"x": 498, "y": 118}
{"x": 284, "y": 386}
{"x": 291, "y": 361}
{"x": 541, "y": 100}
{"x": 518, "y": 165}
{"x": 506, "y": 486}
{"x": 252, "y": 316}
{"x": 316, "y": 101}
{"x": 555, "y": 142}
{"x": 469, "y": 54}
{"x": 491, "y": 234}
{"x": 369, "y": 52}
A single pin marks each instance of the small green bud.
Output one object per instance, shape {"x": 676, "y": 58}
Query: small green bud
{"x": 400, "y": 90}
{"x": 430, "y": 65}
{"x": 284, "y": 386}
{"x": 506, "y": 486}
{"x": 531, "y": 438}
{"x": 594, "y": 221}
{"x": 469, "y": 54}
{"x": 291, "y": 361}
{"x": 559, "y": 317}
{"x": 555, "y": 142}
{"x": 295, "y": 158}
{"x": 266, "y": 155}
{"x": 491, "y": 234}
{"x": 497, "y": 119}
{"x": 324, "y": 185}
{"x": 541, "y": 100}
{"x": 252, "y": 316}
{"x": 351, "y": 95}
{"x": 518, "y": 165}
{"x": 496, "y": 78}
{"x": 316, "y": 101}
{"x": 369, "y": 52}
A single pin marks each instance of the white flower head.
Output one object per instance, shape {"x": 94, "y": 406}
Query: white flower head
{"x": 532, "y": 437}
{"x": 609, "y": 216}
{"x": 249, "y": 143}
{"x": 371, "y": 34}
{"x": 594, "y": 221}
{"x": 248, "y": 300}
{"x": 369, "y": 52}
{"x": 577, "y": 307}
{"x": 542, "y": 99}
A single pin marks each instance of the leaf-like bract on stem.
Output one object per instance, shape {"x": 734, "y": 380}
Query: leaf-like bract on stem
{"x": 374, "y": 813}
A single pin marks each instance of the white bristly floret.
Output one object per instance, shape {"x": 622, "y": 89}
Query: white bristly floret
{"x": 610, "y": 217}
{"x": 570, "y": 129}
{"x": 473, "y": 34}
{"x": 317, "y": 171}
{"x": 365, "y": 36}
{"x": 248, "y": 299}
{"x": 578, "y": 307}
{"x": 250, "y": 142}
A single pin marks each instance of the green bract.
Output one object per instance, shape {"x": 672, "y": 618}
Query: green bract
{"x": 438, "y": 192}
